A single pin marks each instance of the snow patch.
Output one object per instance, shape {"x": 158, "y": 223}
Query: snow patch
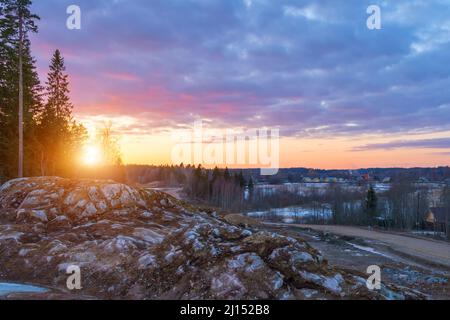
{"x": 148, "y": 235}
{"x": 227, "y": 283}
{"x": 369, "y": 249}
{"x": 147, "y": 261}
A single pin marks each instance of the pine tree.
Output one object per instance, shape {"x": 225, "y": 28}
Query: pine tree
{"x": 216, "y": 174}
{"x": 251, "y": 184}
{"x": 371, "y": 203}
{"x": 16, "y": 22}
{"x": 57, "y": 89}
{"x": 241, "y": 179}
{"x": 251, "y": 188}
{"x": 59, "y": 136}
{"x": 227, "y": 174}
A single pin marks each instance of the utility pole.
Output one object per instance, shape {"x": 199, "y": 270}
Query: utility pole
{"x": 20, "y": 171}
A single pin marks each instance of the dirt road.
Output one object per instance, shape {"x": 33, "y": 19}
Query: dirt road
{"x": 429, "y": 250}
{"x": 174, "y": 192}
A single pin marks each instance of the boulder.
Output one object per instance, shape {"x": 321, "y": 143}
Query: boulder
{"x": 131, "y": 243}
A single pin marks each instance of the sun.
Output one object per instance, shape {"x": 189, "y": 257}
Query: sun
{"x": 91, "y": 156}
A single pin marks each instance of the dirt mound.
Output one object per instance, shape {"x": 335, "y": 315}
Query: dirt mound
{"x": 132, "y": 243}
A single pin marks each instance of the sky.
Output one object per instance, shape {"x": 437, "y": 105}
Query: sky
{"x": 340, "y": 94}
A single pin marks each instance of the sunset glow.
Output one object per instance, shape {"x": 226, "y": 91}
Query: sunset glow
{"x": 240, "y": 73}
{"x": 91, "y": 156}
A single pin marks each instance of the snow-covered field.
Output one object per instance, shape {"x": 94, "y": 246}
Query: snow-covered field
{"x": 305, "y": 188}
{"x": 291, "y": 214}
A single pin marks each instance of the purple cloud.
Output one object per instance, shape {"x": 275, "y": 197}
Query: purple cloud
{"x": 309, "y": 68}
{"x": 437, "y": 143}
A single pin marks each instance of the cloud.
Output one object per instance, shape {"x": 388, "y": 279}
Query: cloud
{"x": 446, "y": 154}
{"x": 310, "y": 70}
{"x": 438, "y": 143}
{"x": 308, "y": 12}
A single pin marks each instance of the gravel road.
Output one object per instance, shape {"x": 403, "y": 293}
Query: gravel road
{"x": 430, "y": 250}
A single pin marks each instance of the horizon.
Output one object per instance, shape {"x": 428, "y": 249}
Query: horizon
{"x": 289, "y": 168}
{"x": 341, "y": 95}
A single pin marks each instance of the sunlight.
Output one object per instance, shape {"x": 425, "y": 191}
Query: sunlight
{"x": 91, "y": 156}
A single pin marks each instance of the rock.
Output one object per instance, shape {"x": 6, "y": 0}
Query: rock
{"x": 59, "y": 223}
{"x": 132, "y": 243}
{"x": 241, "y": 220}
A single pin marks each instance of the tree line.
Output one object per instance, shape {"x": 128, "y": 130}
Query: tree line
{"x": 38, "y": 134}
{"x": 218, "y": 187}
{"x": 222, "y": 188}
{"x": 402, "y": 206}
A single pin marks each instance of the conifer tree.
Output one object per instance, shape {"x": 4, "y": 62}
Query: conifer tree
{"x": 227, "y": 174}
{"x": 19, "y": 90}
{"x": 251, "y": 184}
{"x": 60, "y": 137}
{"x": 241, "y": 179}
{"x": 371, "y": 203}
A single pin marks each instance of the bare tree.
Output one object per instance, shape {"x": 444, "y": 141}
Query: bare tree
{"x": 109, "y": 145}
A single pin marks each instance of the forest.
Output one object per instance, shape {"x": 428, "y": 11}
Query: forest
{"x": 39, "y": 135}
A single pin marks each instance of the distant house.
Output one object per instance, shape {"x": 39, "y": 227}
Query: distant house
{"x": 437, "y": 218}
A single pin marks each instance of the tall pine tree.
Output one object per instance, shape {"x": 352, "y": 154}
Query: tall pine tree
{"x": 16, "y": 22}
{"x": 60, "y": 137}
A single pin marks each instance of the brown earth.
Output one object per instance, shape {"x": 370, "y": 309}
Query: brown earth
{"x": 241, "y": 220}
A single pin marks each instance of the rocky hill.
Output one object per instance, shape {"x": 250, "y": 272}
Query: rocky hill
{"x": 132, "y": 243}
